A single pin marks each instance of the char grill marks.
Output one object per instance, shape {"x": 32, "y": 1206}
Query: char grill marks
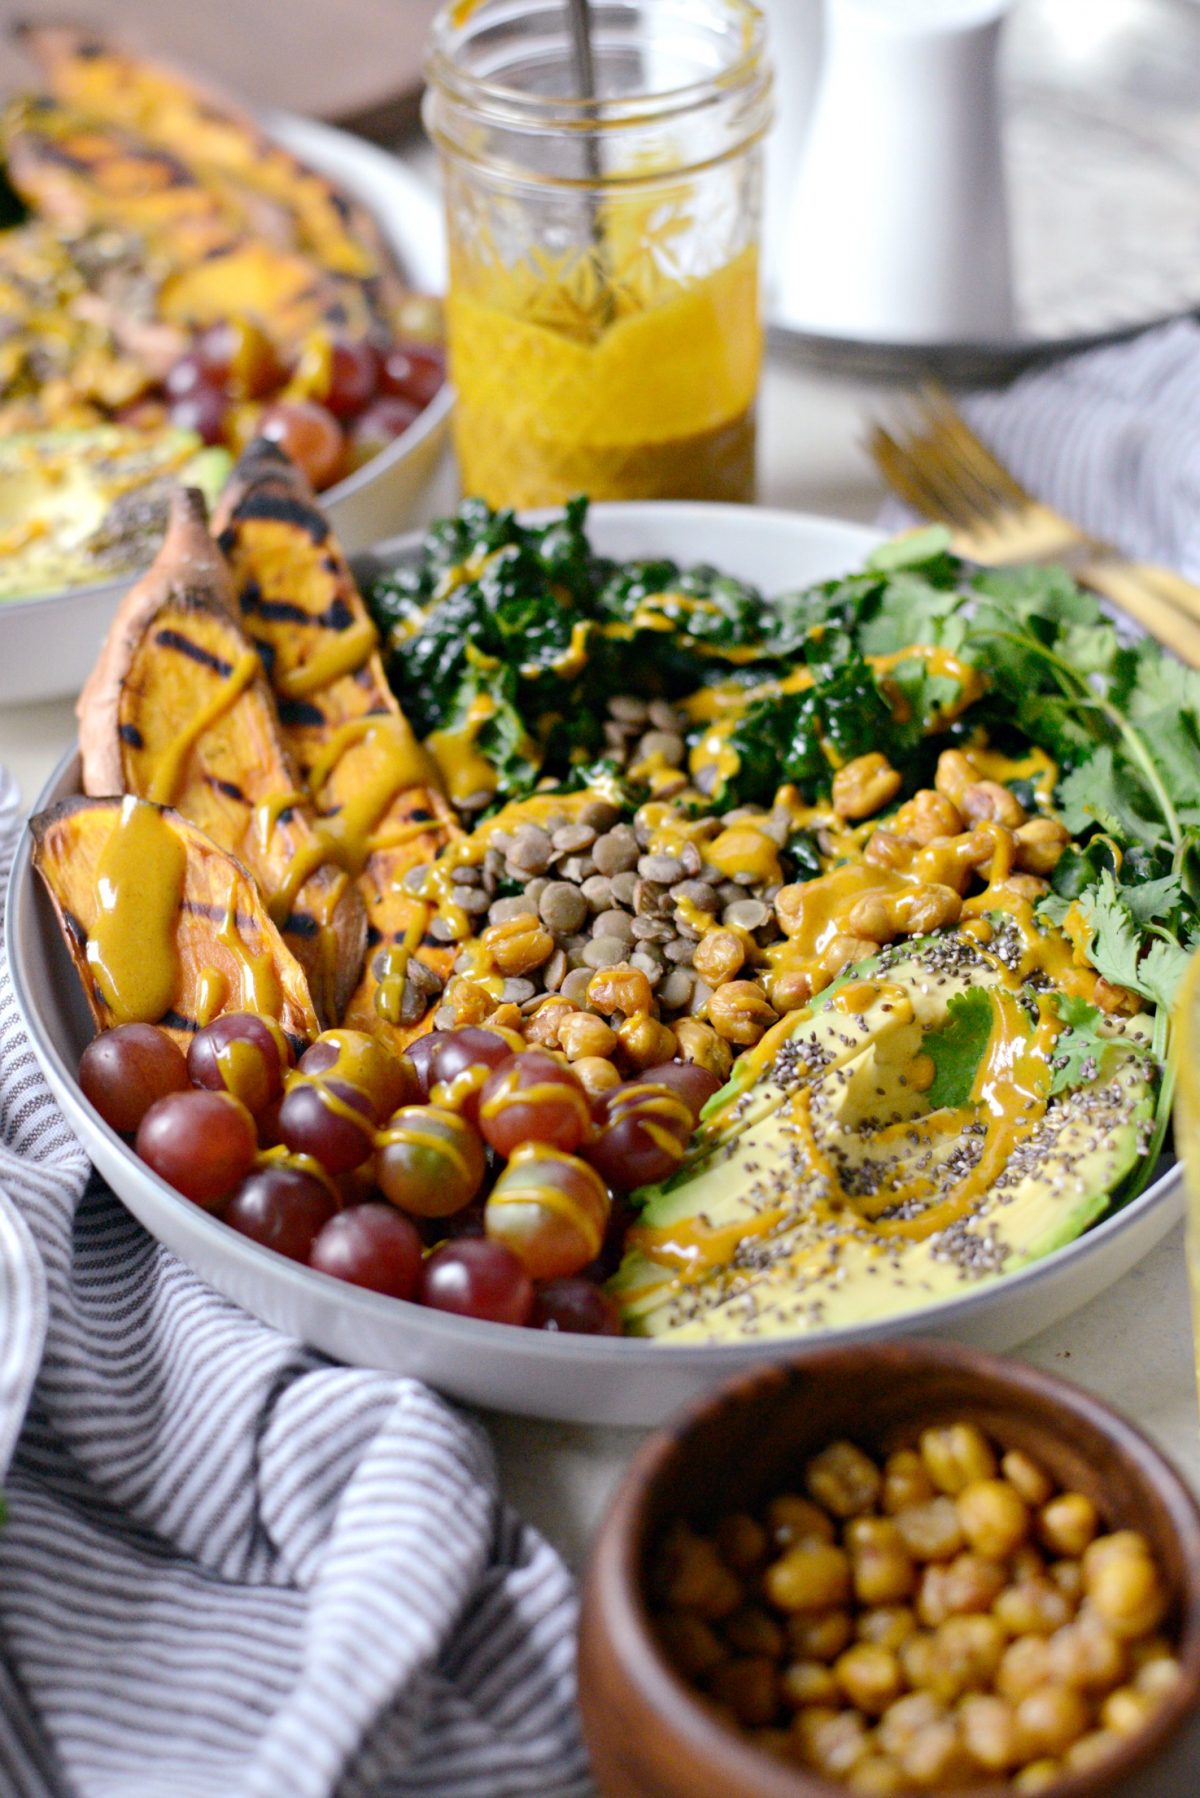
{"x": 368, "y": 779}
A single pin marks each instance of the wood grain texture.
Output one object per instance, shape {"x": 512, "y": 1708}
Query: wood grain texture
{"x": 650, "y": 1738}
{"x": 359, "y": 60}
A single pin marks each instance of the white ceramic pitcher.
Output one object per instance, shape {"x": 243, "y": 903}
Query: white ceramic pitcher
{"x": 891, "y": 223}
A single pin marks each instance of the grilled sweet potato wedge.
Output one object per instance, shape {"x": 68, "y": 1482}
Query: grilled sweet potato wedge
{"x": 214, "y": 138}
{"x": 177, "y": 711}
{"x": 374, "y": 789}
{"x": 163, "y": 927}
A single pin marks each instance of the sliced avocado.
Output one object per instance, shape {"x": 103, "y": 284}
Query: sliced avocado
{"x": 830, "y": 1193}
{"x": 82, "y": 506}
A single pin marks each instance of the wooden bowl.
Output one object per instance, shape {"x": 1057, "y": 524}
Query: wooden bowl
{"x": 648, "y": 1734}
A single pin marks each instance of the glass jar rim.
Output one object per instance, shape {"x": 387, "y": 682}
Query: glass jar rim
{"x": 500, "y": 103}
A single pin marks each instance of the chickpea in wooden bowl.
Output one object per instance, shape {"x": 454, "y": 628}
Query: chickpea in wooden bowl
{"x": 897, "y": 1570}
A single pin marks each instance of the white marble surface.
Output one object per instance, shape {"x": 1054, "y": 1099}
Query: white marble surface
{"x": 1133, "y": 1346}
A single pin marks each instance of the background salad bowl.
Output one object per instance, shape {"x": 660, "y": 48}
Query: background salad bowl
{"x": 48, "y": 643}
{"x": 587, "y": 1379}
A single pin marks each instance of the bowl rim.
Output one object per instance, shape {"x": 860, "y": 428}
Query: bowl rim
{"x": 561, "y": 1348}
{"x": 614, "y": 1607}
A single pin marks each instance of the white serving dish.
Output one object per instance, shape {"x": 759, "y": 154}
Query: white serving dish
{"x": 48, "y": 644}
{"x": 575, "y": 1378}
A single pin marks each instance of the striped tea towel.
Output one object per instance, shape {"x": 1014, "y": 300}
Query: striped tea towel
{"x": 229, "y": 1568}
{"x": 1111, "y": 439}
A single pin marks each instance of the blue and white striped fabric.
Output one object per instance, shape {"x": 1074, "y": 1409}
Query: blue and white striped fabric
{"x": 1112, "y": 440}
{"x": 230, "y": 1569}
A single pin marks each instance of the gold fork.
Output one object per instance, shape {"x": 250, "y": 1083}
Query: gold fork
{"x": 941, "y": 469}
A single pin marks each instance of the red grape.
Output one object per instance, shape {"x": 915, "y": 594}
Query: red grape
{"x": 203, "y": 410}
{"x": 123, "y": 1071}
{"x": 283, "y": 1208}
{"x": 476, "y": 1278}
{"x": 533, "y": 1098}
{"x": 430, "y": 1161}
{"x": 364, "y": 1063}
{"x": 373, "y": 1246}
{"x": 307, "y": 433}
{"x": 576, "y": 1308}
{"x": 202, "y": 1143}
{"x": 328, "y": 1120}
{"x": 421, "y": 1054}
{"x": 353, "y": 376}
{"x": 188, "y": 374}
{"x": 694, "y": 1084}
{"x": 550, "y": 1209}
{"x": 241, "y": 357}
{"x": 461, "y": 1063}
{"x": 383, "y": 421}
{"x": 242, "y": 1054}
{"x": 414, "y": 371}
{"x": 642, "y": 1134}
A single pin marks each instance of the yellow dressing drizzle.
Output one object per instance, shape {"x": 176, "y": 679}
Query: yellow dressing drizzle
{"x": 133, "y": 950}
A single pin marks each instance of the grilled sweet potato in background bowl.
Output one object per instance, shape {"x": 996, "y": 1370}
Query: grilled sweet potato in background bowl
{"x": 48, "y": 644}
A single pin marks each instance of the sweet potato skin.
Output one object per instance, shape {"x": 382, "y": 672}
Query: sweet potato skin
{"x": 227, "y": 947}
{"x": 176, "y": 657}
{"x": 298, "y": 600}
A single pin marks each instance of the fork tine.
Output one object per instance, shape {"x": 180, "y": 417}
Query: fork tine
{"x": 979, "y": 511}
{"x": 972, "y": 452}
{"x": 911, "y": 479}
{"x": 960, "y": 497}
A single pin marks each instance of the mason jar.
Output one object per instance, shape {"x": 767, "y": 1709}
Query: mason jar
{"x": 603, "y": 314}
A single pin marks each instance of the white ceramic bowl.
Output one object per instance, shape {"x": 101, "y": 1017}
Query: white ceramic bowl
{"x": 48, "y": 644}
{"x": 571, "y": 1377}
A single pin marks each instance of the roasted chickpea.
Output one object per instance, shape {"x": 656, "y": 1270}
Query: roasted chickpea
{"x": 902, "y": 1720}
{"x": 954, "y": 774}
{"x": 1037, "y": 1776}
{"x": 1028, "y": 1479}
{"x": 1024, "y": 1666}
{"x": 1050, "y": 1718}
{"x": 1125, "y": 1591}
{"x": 1040, "y": 845}
{"x": 1126, "y": 1710}
{"x": 864, "y": 786}
{"x": 820, "y": 1635}
{"x": 906, "y": 1481}
{"x": 956, "y": 1455}
{"x": 829, "y": 1740}
{"x": 889, "y": 1625}
{"x": 809, "y": 1682}
{"x": 792, "y": 1519}
{"x": 930, "y": 1531}
{"x": 877, "y": 1774}
{"x": 844, "y": 951}
{"x": 1086, "y": 1655}
{"x": 883, "y": 1568}
{"x": 1033, "y": 1607}
{"x": 700, "y": 1043}
{"x": 813, "y": 1576}
{"x": 994, "y": 1518}
{"x": 693, "y": 1577}
{"x": 643, "y": 1042}
{"x": 719, "y": 956}
{"x": 844, "y": 1480}
{"x": 741, "y": 1012}
{"x": 927, "y": 816}
{"x": 870, "y": 1677}
{"x": 936, "y": 1755}
{"x": 1067, "y": 1525}
{"x": 989, "y": 1732}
